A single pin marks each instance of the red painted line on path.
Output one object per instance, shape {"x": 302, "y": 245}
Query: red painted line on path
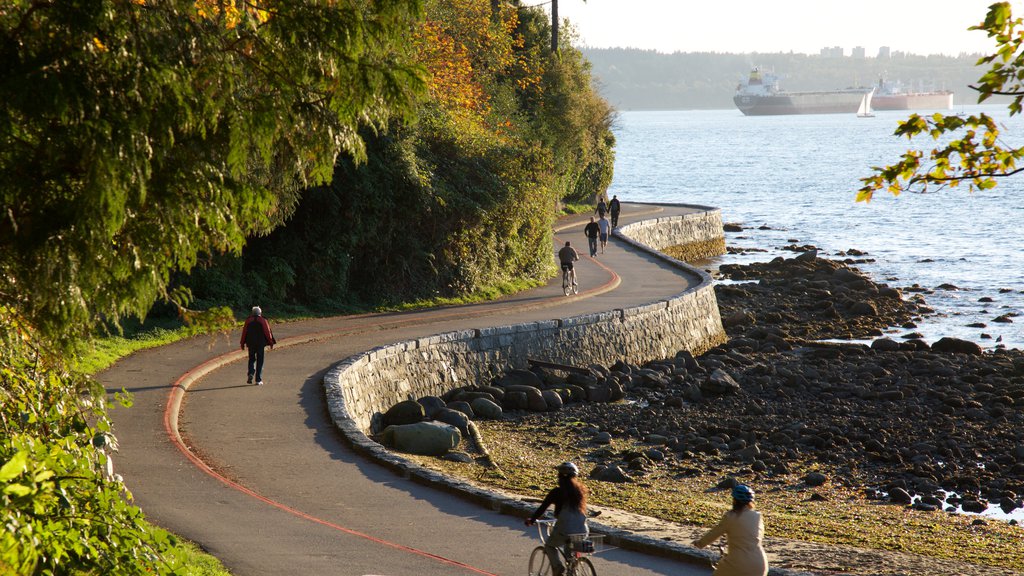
{"x": 182, "y": 384}
{"x": 171, "y": 428}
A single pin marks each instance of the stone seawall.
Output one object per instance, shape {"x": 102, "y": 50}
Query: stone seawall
{"x": 363, "y": 386}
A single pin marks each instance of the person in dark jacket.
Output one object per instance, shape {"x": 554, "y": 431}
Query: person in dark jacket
{"x": 256, "y": 334}
{"x": 570, "y": 501}
{"x": 591, "y": 230}
{"x": 614, "y": 207}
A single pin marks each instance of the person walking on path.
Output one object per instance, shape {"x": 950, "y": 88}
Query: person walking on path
{"x": 743, "y": 529}
{"x": 592, "y": 231}
{"x": 614, "y": 208}
{"x": 604, "y": 228}
{"x": 601, "y": 208}
{"x": 256, "y": 334}
{"x": 570, "y": 501}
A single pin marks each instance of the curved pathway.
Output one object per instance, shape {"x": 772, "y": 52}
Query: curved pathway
{"x": 267, "y": 485}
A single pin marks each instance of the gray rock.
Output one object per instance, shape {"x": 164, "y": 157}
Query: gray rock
{"x": 720, "y": 383}
{"x": 495, "y": 392}
{"x": 885, "y": 345}
{"x": 899, "y": 496}
{"x": 956, "y": 346}
{"x": 431, "y": 404}
{"x": 553, "y": 399}
{"x": 599, "y": 393}
{"x": 519, "y": 377}
{"x": 462, "y": 406}
{"x": 423, "y": 438}
{"x": 515, "y": 400}
{"x": 615, "y": 474}
{"x": 654, "y": 455}
{"x": 602, "y": 438}
{"x": 405, "y": 412}
{"x": 534, "y": 399}
{"x": 815, "y": 479}
{"x": 458, "y": 457}
{"x": 975, "y": 506}
{"x": 487, "y": 409}
{"x": 453, "y": 418}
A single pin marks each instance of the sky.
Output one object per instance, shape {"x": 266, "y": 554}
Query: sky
{"x": 805, "y": 26}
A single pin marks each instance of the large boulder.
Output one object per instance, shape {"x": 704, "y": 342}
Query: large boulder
{"x": 423, "y": 438}
{"x": 485, "y": 408}
{"x": 519, "y": 377}
{"x": 405, "y": 412}
{"x": 462, "y": 406}
{"x": 431, "y": 404}
{"x": 534, "y": 399}
{"x": 453, "y": 418}
{"x": 553, "y": 400}
{"x": 956, "y": 346}
{"x": 515, "y": 400}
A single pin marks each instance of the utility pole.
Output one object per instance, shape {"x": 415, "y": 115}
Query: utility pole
{"x": 554, "y": 26}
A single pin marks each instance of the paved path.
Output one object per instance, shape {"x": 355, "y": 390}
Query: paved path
{"x": 268, "y": 486}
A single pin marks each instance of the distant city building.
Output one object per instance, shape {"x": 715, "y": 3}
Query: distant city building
{"x": 832, "y": 52}
{"x": 858, "y": 52}
{"x": 884, "y": 53}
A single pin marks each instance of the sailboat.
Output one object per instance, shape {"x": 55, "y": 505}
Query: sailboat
{"x": 864, "y": 111}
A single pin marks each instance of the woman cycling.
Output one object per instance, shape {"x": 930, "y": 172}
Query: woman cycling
{"x": 570, "y": 500}
{"x": 743, "y": 530}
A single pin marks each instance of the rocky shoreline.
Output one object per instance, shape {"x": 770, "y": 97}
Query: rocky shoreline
{"x": 901, "y": 420}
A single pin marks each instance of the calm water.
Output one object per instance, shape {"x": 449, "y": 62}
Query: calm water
{"x": 798, "y": 175}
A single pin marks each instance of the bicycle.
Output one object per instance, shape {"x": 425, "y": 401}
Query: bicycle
{"x": 721, "y": 554}
{"x": 569, "y": 281}
{"x": 574, "y": 554}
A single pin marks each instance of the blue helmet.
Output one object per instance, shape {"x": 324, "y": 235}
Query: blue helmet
{"x": 742, "y": 493}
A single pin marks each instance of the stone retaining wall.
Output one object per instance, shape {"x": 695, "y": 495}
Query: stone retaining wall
{"x": 361, "y": 387}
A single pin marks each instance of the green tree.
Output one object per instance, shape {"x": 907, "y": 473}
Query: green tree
{"x": 458, "y": 200}
{"x": 137, "y": 134}
{"x": 973, "y": 152}
{"x": 134, "y": 136}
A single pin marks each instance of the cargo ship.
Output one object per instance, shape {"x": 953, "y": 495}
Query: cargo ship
{"x": 891, "y": 95}
{"x": 760, "y": 95}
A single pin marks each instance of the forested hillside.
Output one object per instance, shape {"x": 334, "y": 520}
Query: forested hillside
{"x": 459, "y": 199}
{"x": 633, "y": 79}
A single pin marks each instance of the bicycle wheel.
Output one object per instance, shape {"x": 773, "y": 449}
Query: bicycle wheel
{"x": 567, "y": 286}
{"x": 582, "y": 567}
{"x": 539, "y": 564}
{"x": 575, "y": 287}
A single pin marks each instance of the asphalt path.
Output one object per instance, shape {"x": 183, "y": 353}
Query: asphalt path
{"x": 259, "y": 477}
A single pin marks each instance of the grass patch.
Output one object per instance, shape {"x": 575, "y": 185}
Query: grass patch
{"x": 485, "y": 294}
{"x": 677, "y": 490}
{"x": 570, "y": 209}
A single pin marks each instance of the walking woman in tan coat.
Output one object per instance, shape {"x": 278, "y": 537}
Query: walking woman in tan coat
{"x": 743, "y": 530}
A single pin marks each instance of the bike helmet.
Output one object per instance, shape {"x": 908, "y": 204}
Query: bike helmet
{"x": 568, "y": 469}
{"x": 742, "y": 493}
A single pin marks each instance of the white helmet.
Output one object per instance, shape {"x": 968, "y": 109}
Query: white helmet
{"x": 568, "y": 469}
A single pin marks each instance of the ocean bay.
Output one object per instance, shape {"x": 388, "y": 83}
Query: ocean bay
{"x": 793, "y": 180}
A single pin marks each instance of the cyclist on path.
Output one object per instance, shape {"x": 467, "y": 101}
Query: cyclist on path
{"x": 570, "y": 501}
{"x": 744, "y": 531}
{"x": 566, "y": 256}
